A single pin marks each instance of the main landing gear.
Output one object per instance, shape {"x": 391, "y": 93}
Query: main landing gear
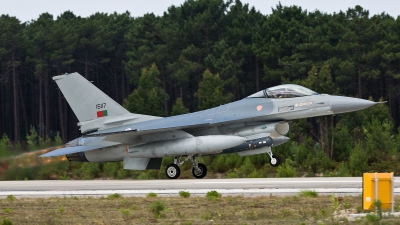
{"x": 275, "y": 161}
{"x": 173, "y": 171}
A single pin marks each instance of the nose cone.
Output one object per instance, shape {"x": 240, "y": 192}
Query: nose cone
{"x": 340, "y": 104}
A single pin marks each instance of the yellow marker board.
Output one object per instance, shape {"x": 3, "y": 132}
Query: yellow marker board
{"x": 378, "y": 186}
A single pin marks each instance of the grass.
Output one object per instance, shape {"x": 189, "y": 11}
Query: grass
{"x": 184, "y": 194}
{"x": 179, "y": 210}
{"x": 10, "y": 198}
{"x": 116, "y": 195}
{"x": 157, "y": 207}
{"x": 308, "y": 193}
{"x": 213, "y": 195}
{"x": 151, "y": 194}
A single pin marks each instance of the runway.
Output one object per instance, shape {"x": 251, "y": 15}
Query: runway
{"x": 243, "y": 186}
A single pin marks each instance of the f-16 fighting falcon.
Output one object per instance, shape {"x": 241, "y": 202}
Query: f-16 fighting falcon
{"x": 246, "y": 127}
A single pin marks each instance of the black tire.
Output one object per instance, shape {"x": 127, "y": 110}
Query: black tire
{"x": 172, "y": 171}
{"x": 275, "y": 161}
{"x": 200, "y": 173}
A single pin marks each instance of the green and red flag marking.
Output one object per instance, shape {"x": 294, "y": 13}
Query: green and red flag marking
{"x": 102, "y": 113}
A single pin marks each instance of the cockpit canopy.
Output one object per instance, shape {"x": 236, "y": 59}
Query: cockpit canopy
{"x": 284, "y": 91}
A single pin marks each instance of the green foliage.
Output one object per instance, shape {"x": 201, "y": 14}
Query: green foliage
{"x": 343, "y": 170}
{"x": 57, "y": 138}
{"x": 358, "y": 163}
{"x": 149, "y": 97}
{"x": 380, "y": 145}
{"x": 335, "y": 203}
{"x": 151, "y": 195}
{"x": 210, "y": 93}
{"x": 7, "y": 210}
{"x": 178, "y": 108}
{"x": 247, "y": 167}
{"x": 61, "y": 209}
{"x": 11, "y": 198}
{"x": 286, "y": 170}
{"x": 319, "y": 81}
{"x": 87, "y": 171}
{"x": 378, "y": 208}
{"x": 157, "y": 207}
{"x": 308, "y": 193}
{"x": 33, "y": 138}
{"x": 4, "y": 141}
{"x": 125, "y": 212}
{"x": 113, "y": 196}
{"x": 184, "y": 194}
{"x": 372, "y": 218}
{"x": 223, "y": 163}
{"x": 111, "y": 169}
{"x": 134, "y": 207}
{"x": 213, "y": 195}
{"x": 6, "y": 221}
{"x": 317, "y": 161}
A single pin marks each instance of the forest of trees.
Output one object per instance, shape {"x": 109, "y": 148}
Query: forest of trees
{"x": 204, "y": 53}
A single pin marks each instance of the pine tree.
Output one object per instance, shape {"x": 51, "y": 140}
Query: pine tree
{"x": 211, "y": 92}
{"x": 149, "y": 97}
{"x": 179, "y": 108}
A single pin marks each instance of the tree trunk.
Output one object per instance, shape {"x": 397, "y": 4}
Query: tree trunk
{"x": 122, "y": 85}
{"x": 257, "y": 77}
{"x": 61, "y": 116}
{"x": 86, "y": 65}
{"x": 165, "y": 89}
{"x": 46, "y": 105}
{"x": 15, "y": 93}
{"x": 24, "y": 111}
{"x": 40, "y": 125}
{"x": 332, "y": 137}
{"x": 359, "y": 71}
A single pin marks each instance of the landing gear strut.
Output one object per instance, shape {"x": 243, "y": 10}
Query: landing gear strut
{"x": 173, "y": 171}
{"x": 275, "y": 161}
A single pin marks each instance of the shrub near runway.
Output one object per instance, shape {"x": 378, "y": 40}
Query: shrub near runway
{"x": 174, "y": 210}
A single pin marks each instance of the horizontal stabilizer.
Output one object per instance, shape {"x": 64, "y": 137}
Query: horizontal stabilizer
{"x": 70, "y": 150}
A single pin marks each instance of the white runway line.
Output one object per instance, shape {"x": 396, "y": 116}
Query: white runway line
{"x": 195, "y": 192}
{"x": 284, "y": 182}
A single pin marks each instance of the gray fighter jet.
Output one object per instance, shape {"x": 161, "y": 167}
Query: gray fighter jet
{"x": 249, "y": 126}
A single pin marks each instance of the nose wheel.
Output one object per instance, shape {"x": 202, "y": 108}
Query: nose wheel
{"x": 275, "y": 161}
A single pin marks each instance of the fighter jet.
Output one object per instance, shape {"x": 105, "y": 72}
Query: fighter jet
{"x": 249, "y": 126}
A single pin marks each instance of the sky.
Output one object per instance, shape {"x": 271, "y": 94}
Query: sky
{"x": 27, "y": 10}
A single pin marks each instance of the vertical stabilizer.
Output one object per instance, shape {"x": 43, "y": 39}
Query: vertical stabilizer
{"x": 86, "y": 100}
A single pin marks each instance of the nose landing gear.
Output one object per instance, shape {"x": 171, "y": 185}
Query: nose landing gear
{"x": 275, "y": 161}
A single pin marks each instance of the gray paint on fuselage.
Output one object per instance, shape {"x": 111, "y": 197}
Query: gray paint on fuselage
{"x": 244, "y": 110}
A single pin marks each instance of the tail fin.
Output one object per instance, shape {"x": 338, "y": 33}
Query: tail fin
{"x": 86, "y": 100}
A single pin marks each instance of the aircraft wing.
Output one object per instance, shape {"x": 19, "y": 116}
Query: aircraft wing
{"x": 71, "y": 150}
{"x": 127, "y": 136}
